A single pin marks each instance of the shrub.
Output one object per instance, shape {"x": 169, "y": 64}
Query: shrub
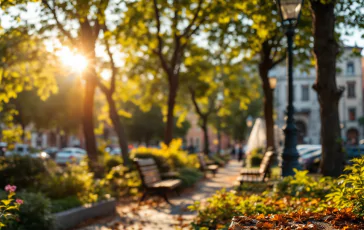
{"x": 257, "y": 151}
{"x": 23, "y": 171}
{"x": 189, "y": 176}
{"x": 34, "y": 214}
{"x": 120, "y": 181}
{"x": 254, "y": 160}
{"x": 75, "y": 180}
{"x": 218, "y": 160}
{"x": 349, "y": 192}
{"x": 112, "y": 161}
{"x": 9, "y": 206}
{"x": 64, "y": 204}
{"x": 223, "y": 205}
{"x": 168, "y": 158}
{"x": 303, "y": 185}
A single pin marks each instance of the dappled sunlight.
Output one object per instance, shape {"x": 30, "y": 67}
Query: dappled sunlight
{"x": 75, "y": 61}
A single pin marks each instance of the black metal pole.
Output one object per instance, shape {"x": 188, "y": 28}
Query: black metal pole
{"x": 290, "y": 154}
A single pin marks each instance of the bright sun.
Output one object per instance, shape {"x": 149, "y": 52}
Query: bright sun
{"x": 77, "y": 62}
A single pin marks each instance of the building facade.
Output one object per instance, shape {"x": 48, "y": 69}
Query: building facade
{"x": 195, "y": 138}
{"x": 307, "y": 108}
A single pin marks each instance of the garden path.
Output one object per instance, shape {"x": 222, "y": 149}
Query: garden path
{"x": 156, "y": 214}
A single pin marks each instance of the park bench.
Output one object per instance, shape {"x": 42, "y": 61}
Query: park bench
{"x": 207, "y": 167}
{"x": 257, "y": 175}
{"x": 152, "y": 180}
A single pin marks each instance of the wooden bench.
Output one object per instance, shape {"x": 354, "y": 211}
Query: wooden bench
{"x": 151, "y": 180}
{"x": 207, "y": 167}
{"x": 257, "y": 175}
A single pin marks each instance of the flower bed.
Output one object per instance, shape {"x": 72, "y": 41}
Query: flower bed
{"x": 329, "y": 219}
{"x": 321, "y": 198}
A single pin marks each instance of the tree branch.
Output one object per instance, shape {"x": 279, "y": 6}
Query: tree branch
{"x": 59, "y": 24}
{"x": 188, "y": 28}
{"x": 103, "y": 87}
{"x": 100, "y": 11}
{"x": 193, "y": 97}
{"x": 160, "y": 41}
{"x": 113, "y": 67}
{"x": 274, "y": 63}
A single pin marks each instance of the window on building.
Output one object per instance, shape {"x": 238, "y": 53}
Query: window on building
{"x": 351, "y": 89}
{"x": 352, "y": 114}
{"x": 305, "y": 93}
{"x": 350, "y": 70}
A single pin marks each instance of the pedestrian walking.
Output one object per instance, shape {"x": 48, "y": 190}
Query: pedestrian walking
{"x": 241, "y": 153}
{"x": 233, "y": 152}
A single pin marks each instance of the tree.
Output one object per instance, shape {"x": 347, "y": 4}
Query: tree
{"x": 109, "y": 93}
{"x": 326, "y": 17}
{"x": 147, "y": 126}
{"x": 91, "y": 19}
{"x": 59, "y": 111}
{"x": 256, "y": 34}
{"x": 215, "y": 81}
{"x": 165, "y": 32}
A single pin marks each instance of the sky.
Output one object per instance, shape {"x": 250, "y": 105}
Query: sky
{"x": 32, "y": 16}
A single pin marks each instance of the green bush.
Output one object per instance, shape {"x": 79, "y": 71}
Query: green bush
{"x": 168, "y": 158}
{"x": 223, "y": 205}
{"x": 254, "y": 160}
{"x": 189, "y": 176}
{"x": 22, "y": 171}
{"x": 34, "y": 214}
{"x": 112, "y": 161}
{"x": 218, "y": 160}
{"x": 120, "y": 181}
{"x": 257, "y": 151}
{"x": 64, "y": 204}
{"x": 303, "y": 185}
{"x": 349, "y": 192}
{"x": 74, "y": 180}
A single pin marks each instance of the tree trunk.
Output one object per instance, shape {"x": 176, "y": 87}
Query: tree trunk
{"x": 173, "y": 87}
{"x": 119, "y": 129}
{"x": 218, "y": 136}
{"x": 88, "y": 121}
{"x": 205, "y": 135}
{"x": 325, "y": 50}
{"x": 268, "y": 105}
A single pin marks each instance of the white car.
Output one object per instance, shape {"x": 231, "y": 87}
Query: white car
{"x": 70, "y": 155}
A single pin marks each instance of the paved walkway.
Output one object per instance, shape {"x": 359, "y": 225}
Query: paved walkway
{"x": 156, "y": 214}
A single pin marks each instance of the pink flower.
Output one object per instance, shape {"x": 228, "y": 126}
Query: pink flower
{"x": 10, "y": 188}
{"x": 19, "y": 201}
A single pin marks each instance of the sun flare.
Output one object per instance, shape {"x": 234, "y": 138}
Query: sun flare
{"x": 75, "y": 61}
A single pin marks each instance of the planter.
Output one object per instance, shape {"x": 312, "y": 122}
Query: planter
{"x": 72, "y": 217}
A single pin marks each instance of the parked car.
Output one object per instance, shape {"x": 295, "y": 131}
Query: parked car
{"x": 52, "y": 152}
{"x": 70, "y": 155}
{"x": 311, "y": 161}
{"x": 354, "y": 152}
{"x": 20, "y": 150}
{"x": 24, "y": 150}
{"x": 43, "y": 155}
{"x": 307, "y": 149}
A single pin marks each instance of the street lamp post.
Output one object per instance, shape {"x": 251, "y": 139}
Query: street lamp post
{"x": 290, "y": 11}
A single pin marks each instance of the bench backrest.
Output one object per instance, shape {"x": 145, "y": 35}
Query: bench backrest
{"x": 148, "y": 171}
{"x": 265, "y": 164}
{"x": 201, "y": 159}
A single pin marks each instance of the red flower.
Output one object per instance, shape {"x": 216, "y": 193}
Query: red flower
{"x": 10, "y": 188}
{"x": 19, "y": 201}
